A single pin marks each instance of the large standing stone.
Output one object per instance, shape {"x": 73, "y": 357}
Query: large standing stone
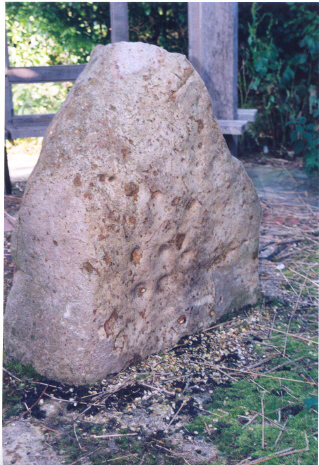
{"x": 137, "y": 226}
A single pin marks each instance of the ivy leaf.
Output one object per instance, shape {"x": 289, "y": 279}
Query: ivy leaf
{"x": 299, "y": 146}
{"x": 309, "y": 403}
{"x": 308, "y": 137}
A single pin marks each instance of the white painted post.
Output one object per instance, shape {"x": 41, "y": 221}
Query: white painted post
{"x": 213, "y": 51}
{"x": 119, "y": 22}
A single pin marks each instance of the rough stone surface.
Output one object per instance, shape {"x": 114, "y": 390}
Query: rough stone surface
{"x": 137, "y": 226}
{"x": 24, "y": 444}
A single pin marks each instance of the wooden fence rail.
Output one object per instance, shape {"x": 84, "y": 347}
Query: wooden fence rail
{"x": 213, "y": 44}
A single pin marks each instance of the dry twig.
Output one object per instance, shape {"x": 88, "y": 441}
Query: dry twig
{"x": 272, "y": 325}
{"x": 290, "y": 334}
{"x": 281, "y": 432}
{"x": 262, "y": 374}
{"x": 281, "y": 453}
{"x": 303, "y": 276}
{"x": 76, "y": 437}
{"x": 262, "y": 362}
{"x": 45, "y": 426}
{"x": 12, "y": 376}
{"x": 176, "y": 455}
{"x": 263, "y": 421}
{"x": 250, "y": 421}
{"x": 123, "y": 457}
{"x": 170, "y": 393}
{"x": 223, "y": 411}
{"x": 183, "y": 403}
{"x": 106, "y": 436}
{"x": 292, "y": 315}
{"x": 84, "y": 456}
{"x": 284, "y": 364}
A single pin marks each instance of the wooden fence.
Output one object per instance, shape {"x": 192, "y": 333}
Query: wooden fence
{"x": 213, "y": 50}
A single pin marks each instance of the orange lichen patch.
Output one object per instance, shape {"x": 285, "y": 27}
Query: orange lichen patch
{"x": 89, "y": 268}
{"x": 113, "y": 215}
{"x": 200, "y": 123}
{"x": 181, "y": 320}
{"x": 136, "y": 256}
{"x": 131, "y": 189}
{"x": 142, "y": 314}
{"x": 107, "y": 259}
{"x": 77, "y": 180}
{"x": 101, "y": 177}
{"x": 88, "y": 195}
{"x": 101, "y": 237}
{"x": 155, "y": 194}
{"x": 190, "y": 204}
{"x": 212, "y": 313}
{"x": 94, "y": 165}
{"x": 171, "y": 242}
{"x": 176, "y": 201}
{"x": 132, "y": 220}
{"x": 179, "y": 240}
{"x": 173, "y": 96}
{"x": 125, "y": 152}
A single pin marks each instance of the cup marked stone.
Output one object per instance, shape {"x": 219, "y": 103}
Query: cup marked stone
{"x": 137, "y": 226}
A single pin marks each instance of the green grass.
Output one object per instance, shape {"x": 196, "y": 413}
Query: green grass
{"x": 243, "y": 399}
{"x": 22, "y": 371}
{"x": 12, "y": 392}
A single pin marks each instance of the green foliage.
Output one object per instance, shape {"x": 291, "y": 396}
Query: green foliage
{"x": 22, "y": 371}
{"x": 35, "y": 40}
{"x": 309, "y": 403}
{"x": 69, "y": 38}
{"x": 278, "y": 74}
{"x": 278, "y": 59}
{"x": 244, "y": 397}
{"x": 160, "y": 23}
{"x": 12, "y": 394}
{"x": 39, "y": 98}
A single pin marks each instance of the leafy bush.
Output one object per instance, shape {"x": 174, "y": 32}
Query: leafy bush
{"x": 278, "y": 59}
{"x": 160, "y": 23}
{"x": 278, "y": 74}
{"x": 58, "y": 32}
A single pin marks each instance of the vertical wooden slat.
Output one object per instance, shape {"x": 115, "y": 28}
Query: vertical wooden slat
{"x": 8, "y": 90}
{"x": 213, "y": 50}
{"x": 194, "y": 35}
{"x": 219, "y": 54}
{"x": 8, "y": 120}
{"x": 119, "y": 21}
